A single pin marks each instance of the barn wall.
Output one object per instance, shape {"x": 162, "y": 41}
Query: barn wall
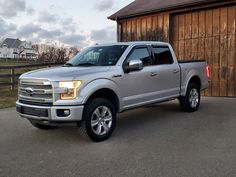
{"x": 150, "y": 28}
{"x": 209, "y": 34}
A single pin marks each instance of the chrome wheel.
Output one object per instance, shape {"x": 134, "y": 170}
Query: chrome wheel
{"x": 101, "y": 120}
{"x": 194, "y": 98}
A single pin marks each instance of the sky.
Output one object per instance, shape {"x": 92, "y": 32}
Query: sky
{"x": 79, "y": 23}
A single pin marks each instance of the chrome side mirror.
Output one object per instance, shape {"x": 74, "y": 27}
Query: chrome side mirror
{"x": 134, "y": 65}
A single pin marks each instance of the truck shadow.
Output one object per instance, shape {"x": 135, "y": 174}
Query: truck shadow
{"x": 137, "y": 119}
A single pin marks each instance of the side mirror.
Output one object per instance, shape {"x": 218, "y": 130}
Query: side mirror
{"x": 134, "y": 65}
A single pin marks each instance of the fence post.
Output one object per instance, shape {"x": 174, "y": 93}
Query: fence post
{"x": 12, "y": 78}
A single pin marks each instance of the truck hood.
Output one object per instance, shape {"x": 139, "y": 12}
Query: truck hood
{"x": 64, "y": 73}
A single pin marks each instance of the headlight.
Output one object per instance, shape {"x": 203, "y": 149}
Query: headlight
{"x": 71, "y": 89}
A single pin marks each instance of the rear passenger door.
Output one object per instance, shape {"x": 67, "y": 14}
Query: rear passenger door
{"x": 167, "y": 72}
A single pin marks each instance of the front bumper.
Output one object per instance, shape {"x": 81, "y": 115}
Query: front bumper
{"x": 49, "y": 113}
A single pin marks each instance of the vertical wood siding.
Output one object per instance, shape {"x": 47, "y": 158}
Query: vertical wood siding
{"x": 209, "y": 34}
{"x": 148, "y": 28}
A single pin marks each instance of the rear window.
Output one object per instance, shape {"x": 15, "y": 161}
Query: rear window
{"x": 162, "y": 55}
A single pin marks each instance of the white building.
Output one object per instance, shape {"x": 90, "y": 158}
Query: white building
{"x": 15, "y": 48}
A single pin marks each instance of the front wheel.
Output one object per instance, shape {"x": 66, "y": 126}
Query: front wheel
{"x": 191, "y": 101}
{"x": 99, "y": 119}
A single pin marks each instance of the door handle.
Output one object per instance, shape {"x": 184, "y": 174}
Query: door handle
{"x": 154, "y": 74}
{"x": 175, "y": 71}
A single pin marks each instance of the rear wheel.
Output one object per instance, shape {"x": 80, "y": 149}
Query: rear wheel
{"x": 191, "y": 101}
{"x": 42, "y": 126}
{"x": 99, "y": 119}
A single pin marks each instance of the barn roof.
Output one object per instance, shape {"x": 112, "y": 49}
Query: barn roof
{"x": 141, "y": 7}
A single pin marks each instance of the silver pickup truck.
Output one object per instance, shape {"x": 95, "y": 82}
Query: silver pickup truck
{"x": 104, "y": 80}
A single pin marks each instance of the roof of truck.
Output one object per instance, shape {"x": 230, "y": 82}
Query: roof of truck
{"x": 134, "y": 43}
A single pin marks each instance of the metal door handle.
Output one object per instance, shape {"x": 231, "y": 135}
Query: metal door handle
{"x": 154, "y": 74}
{"x": 175, "y": 71}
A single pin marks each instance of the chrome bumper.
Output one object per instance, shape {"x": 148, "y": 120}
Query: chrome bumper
{"x": 49, "y": 113}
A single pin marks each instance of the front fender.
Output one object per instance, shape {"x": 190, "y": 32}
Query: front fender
{"x": 96, "y": 85}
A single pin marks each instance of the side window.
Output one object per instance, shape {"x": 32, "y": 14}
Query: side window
{"x": 141, "y": 54}
{"x": 162, "y": 55}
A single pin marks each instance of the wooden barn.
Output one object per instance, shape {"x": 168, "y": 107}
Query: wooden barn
{"x": 197, "y": 29}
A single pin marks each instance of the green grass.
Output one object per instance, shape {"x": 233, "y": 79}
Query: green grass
{"x": 8, "y": 98}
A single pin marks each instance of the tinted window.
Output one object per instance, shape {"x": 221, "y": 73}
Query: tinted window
{"x": 99, "y": 56}
{"x": 162, "y": 55}
{"x": 141, "y": 54}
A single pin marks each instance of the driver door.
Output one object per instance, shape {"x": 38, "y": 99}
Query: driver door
{"x": 138, "y": 86}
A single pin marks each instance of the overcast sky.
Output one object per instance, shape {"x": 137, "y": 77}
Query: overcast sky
{"x": 70, "y": 22}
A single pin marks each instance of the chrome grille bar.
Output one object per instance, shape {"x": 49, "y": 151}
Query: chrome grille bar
{"x": 35, "y": 90}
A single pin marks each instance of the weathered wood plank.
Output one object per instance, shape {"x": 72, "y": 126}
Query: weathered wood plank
{"x": 202, "y": 24}
{"x": 149, "y": 28}
{"x": 154, "y": 28}
{"x": 166, "y": 25}
{"x": 129, "y": 25}
{"x": 134, "y": 30}
{"x": 160, "y": 27}
{"x": 187, "y": 47}
{"x": 139, "y": 29}
{"x": 231, "y": 20}
{"x": 188, "y": 26}
{"x": 175, "y": 27}
{"x": 195, "y": 25}
{"x": 223, "y": 20}
{"x": 216, "y": 22}
{"x": 144, "y": 29}
{"x": 181, "y": 49}
{"x": 181, "y": 27}
{"x": 201, "y": 48}
{"x": 124, "y": 31}
{"x": 209, "y": 23}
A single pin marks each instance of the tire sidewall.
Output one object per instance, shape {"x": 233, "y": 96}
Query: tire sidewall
{"x": 90, "y": 107}
{"x": 190, "y": 87}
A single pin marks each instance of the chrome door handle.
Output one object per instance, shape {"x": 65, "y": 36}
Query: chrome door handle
{"x": 175, "y": 71}
{"x": 154, "y": 74}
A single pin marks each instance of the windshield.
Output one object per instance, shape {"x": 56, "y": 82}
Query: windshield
{"x": 98, "y": 56}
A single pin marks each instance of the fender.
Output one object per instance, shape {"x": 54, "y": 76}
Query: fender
{"x": 98, "y": 84}
{"x": 185, "y": 83}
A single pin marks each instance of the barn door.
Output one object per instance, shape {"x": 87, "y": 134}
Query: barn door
{"x": 209, "y": 34}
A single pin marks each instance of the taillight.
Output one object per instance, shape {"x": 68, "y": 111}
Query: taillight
{"x": 208, "y": 73}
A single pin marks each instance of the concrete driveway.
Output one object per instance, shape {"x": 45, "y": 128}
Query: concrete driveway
{"x": 155, "y": 141}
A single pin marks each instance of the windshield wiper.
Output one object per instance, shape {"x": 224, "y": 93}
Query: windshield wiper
{"x": 86, "y": 64}
{"x": 68, "y": 64}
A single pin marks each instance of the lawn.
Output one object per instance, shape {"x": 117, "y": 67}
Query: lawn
{"x": 8, "y": 98}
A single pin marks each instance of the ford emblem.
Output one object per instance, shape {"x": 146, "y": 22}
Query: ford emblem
{"x": 29, "y": 91}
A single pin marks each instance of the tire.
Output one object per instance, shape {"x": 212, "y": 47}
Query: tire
{"x": 99, "y": 119}
{"x": 42, "y": 126}
{"x": 191, "y": 101}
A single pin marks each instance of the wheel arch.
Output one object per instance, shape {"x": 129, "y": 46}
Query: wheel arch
{"x": 193, "y": 79}
{"x": 105, "y": 93}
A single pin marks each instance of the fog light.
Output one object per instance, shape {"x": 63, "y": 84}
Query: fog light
{"x": 63, "y": 112}
{"x": 67, "y": 112}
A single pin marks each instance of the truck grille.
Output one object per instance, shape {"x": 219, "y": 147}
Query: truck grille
{"x": 37, "y": 91}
